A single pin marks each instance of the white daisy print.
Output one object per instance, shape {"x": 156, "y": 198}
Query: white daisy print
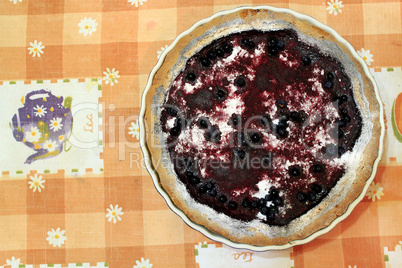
{"x": 366, "y": 56}
{"x": 55, "y": 124}
{"x": 334, "y": 7}
{"x": 36, "y": 48}
{"x": 111, "y": 76}
{"x": 15, "y": 1}
{"x": 134, "y": 130}
{"x": 40, "y": 111}
{"x": 36, "y": 183}
{"x": 114, "y": 213}
{"x": 49, "y": 145}
{"x": 14, "y": 263}
{"x": 143, "y": 264}
{"x": 56, "y": 238}
{"x": 87, "y": 26}
{"x": 375, "y": 191}
{"x": 161, "y": 51}
{"x": 350, "y": 266}
{"x": 136, "y": 2}
{"x": 34, "y": 135}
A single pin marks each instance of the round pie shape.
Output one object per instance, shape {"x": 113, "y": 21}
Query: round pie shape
{"x": 261, "y": 127}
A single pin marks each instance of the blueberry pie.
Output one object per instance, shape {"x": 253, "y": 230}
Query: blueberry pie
{"x": 262, "y": 127}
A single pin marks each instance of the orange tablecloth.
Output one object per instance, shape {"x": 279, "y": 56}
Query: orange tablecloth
{"x": 108, "y": 47}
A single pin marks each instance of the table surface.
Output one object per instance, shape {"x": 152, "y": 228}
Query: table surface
{"x": 96, "y": 206}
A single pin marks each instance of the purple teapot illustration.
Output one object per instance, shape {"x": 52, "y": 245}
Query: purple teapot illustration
{"x": 43, "y": 124}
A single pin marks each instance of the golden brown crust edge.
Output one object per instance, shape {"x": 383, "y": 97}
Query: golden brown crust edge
{"x": 168, "y": 180}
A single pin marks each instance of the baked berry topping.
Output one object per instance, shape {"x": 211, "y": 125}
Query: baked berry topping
{"x": 222, "y": 199}
{"x": 191, "y": 77}
{"x": 232, "y": 205}
{"x": 277, "y": 102}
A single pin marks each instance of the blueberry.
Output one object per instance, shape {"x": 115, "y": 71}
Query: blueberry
{"x": 295, "y": 116}
{"x": 220, "y": 94}
{"x": 175, "y": 131}
{"x": 245, "y": 203}
{"x": 341, "y": 150}
{"x": 248, "y": 43}
{"x": 271, "y": 214}
{"x": 209, "y": 185}
{"x": 346, "y": 117}
{"x": 255, "y": 138}
{"x": 191, "y": 76}
{"x": 240, "y": 82}
{"x": 203, "y": 123}
{"x": 311, "y": 197}
{"x": 280, "y": 45}
{"x": 328, "y": 84}
{"x": 283, "y": 123}
{"x": 227, "y": 47}
{"x": 272, "y": 41}
{"x": 240, "y": 153}
{"x": 266, "y": 161}
{"x": 272, "y": 51}
{"x": 242, "y": 139}
{"x": 264, "y": 210}
{"x": 194, "y": 180}
{"x": 212, "y": 192}
{"x": 340, "y": 133}
{"x": 222, "y": 199}
{"x": 254, "y": 204}
{"x": 344, "y": 98}
{"x": 282, "y": 132}
{"x": 330, "y": 76}
{"x": 232, "y": 205}
{"x": 220, "y": 53}
{"x": 306, "y": 60}
{"x": 318, "y": 168}
{"x": 234, "y": 120}
{"x": 342, "y": 123}
{"x": 268, "y": 197}
{"x": 294, "y": 171}
{"x": 274, "y": 192}
{"x": 316, "y": 188}
{"x": 202, "y": 189}
{"x": 278, "y": 201}
{"x": 211, "y": 55}
{"x": 344, "y": 111}
{"x": 205, "y": 61}
{"x": 281, "y": 104}
{"x": 301, "y": 197}
{"x": 172, "y": 111}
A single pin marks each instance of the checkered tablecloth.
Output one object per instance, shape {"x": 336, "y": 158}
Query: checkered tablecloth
{"x": 97, "y": 207}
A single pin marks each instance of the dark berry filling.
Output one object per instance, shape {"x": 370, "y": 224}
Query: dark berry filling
{"x": 263, "y": 96}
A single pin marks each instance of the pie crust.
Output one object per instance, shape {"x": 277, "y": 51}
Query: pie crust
{"x": 361, "y": 163}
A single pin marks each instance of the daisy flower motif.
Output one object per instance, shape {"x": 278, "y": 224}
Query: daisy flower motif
{"x": 374, "y": 191}
{"x": 55, "y": 124}
{"x": 34, "y": 135}
{"x": 350, "y": 266}
{"x": 161, "y": 51}
{"x": 111, "y": 76}
{"x": 134, "y": 130}
{"x": 40, "y": 111}
{"x": 114, "y": 213}
{"x": 56, "y": 238}
{"x": 36, "y": 48}
{"x": 36, "y": 183}
{"x": 334, "y": 7}
{"x": 136, "y": 2}
{"x": 366, "y": 56}
{"x": 143, "y": 264}
{"x": 15, "y": 1}
{"x": 87, "y": 26}
{"x": 14, "y": 263}
{"x": 49, "y": 145}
